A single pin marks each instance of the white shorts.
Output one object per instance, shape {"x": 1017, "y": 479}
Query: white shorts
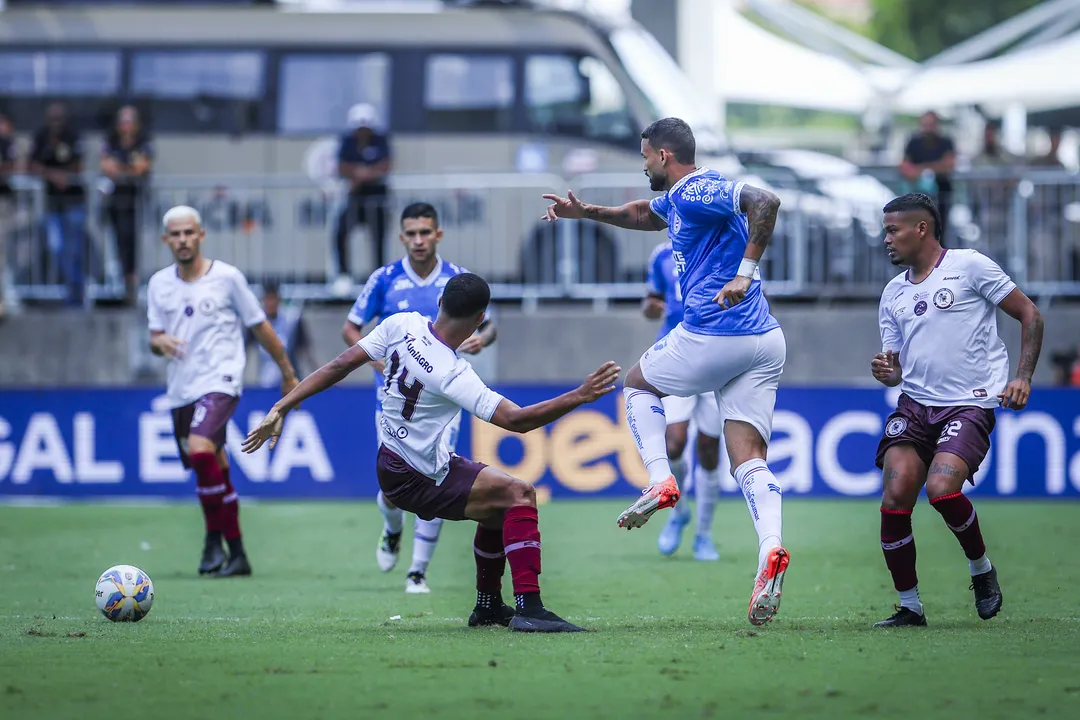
{"x": 701, "y": 408}
{"x": 451, "y": 436}
{"x": 743, "y": 371}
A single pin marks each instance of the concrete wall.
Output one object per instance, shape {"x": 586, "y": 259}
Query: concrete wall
{"x": 558, "y": 344}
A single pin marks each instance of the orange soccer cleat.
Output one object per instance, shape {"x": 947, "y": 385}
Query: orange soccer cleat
{"x": 655, "y": 497}
{"x": 765, "y": 600}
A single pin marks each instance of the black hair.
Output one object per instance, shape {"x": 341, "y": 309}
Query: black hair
{"x": 914, "y": 202}
{"x": 465, "y": 296}
{"x": 673, "y": 135}
{"x": 420, "y": 210}
{"x": 272, "y": 286}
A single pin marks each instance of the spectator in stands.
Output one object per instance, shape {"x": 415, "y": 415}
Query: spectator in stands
{"x": 126, "y": 159}
{"x": 993, "y": 154}
{"x": 289, "y": 326}
{"x": 1066, "y": 365}
{"x": 9, "y": 160}
{"x": 57, "y": 157}
{"x": 991, "y": 193}
{"x": 364, "y": 161}
{"x": 929, "y": 160}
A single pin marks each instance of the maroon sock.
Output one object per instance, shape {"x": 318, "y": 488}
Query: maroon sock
{"x": 490, "y": 560}
{"x": 521, "y": 540}
{"x": 898, "y": 546}
{"x": 959, "y": 515}
{"x": 210, "y": 485}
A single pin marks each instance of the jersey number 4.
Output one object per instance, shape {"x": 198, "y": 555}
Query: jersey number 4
{"x": 410, "y": 392}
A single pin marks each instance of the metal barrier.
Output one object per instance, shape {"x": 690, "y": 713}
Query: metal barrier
{"x": 827, "y": 241}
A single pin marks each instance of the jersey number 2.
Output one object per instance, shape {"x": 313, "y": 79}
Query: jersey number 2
{"x": 411, "y": 392}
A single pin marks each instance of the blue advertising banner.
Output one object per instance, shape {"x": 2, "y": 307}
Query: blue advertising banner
{"x": 119, "y": 443}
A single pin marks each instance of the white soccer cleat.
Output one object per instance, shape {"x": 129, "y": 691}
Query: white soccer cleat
{"x": 386, "y": 553}
{"x": 415, "y": 584}
{"x": 765, "y": 600}
{"x": 655, "y": 497}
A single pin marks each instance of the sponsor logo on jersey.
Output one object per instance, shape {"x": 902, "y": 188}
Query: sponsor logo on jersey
{"x": 943, "y": 299}
{"x": 420, "y": 359}
{"x": 953, "y": 277}
{"x": 895, "y": 427}
{"x": 920, "y": 307}
{"x": 979, "y": 392}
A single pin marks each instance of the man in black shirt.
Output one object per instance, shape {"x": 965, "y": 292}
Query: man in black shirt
{"x": 929, "y": 160}
{"x": 57, "y": 157}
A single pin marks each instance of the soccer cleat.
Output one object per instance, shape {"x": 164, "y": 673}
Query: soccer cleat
{"x": 765, "y": 600}
{"x": 542, "y": 620}
{"x": 213, "y": 558}
{"x": 415, "y": 584}
{"x": 671, "y": 535}
{"x": 484, "y": 617}
{"x": 903, "y": 617}
{"x": 386, "y": 554}
{"x": 238, "y": 566}
{"x": 987, "y": 593}
{"x": 704, "y": 549}
{"x": 655, "y": 497}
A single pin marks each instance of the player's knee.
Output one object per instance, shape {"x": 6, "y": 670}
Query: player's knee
{"x": 200, "y": 444}
{"x": 522, "y": 493}
{"x": 938, "y": 485}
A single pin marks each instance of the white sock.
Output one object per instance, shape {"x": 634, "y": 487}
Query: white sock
{"x": 648, "y": 425}
{"x": 391, "y": 516}
{"x": 764, "y": 500}
{"x": 980, "y": 566}
{"x": 678, "y": 469}
{"x": 706, "y": 490}
{"x": 425, "y": 537}
{"x": 910, "y": 600}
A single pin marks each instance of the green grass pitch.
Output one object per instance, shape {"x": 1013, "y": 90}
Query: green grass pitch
{"x": 310, "y": 634}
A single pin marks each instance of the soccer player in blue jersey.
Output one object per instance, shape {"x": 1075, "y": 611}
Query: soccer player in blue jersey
{"x": 412, "y": 284}
{"x": 727, "y": 343}
{"x": 664, "y": 300}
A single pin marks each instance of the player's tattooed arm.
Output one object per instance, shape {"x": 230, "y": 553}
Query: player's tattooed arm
{"x": 761, "y": 208}
{"x": 635, "y": 215}
{"x": 1020, "y": 307}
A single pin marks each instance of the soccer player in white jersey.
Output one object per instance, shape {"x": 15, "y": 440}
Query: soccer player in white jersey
{"x": 197, "y": 310}
{"x": 412, "y": 284}
{"x": 939, "y": 343}
{"x": 427, "y": 384}
{"x": 727, "y": 343}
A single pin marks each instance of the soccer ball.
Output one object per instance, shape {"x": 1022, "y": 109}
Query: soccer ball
{"x": 124, "y": 593}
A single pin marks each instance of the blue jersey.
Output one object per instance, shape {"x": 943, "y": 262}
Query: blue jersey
{"x": 397, "y": 288}
{"x": 708, "y": 233}
{"x": 664, "y": 281}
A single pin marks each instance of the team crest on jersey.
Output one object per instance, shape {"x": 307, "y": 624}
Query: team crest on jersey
{"x": 676, "y": 222}
{"x": 895, "y": 427}
{"x": 207, "y": 306}
{"x": 920, "y": 307}
{"x": 943, "y": 299}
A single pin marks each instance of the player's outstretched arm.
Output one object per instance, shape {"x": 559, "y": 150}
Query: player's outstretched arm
{"x": 885, "y": 368}
{"x": 523, "y": 419}
{"x": 635, "y": 215}
{"x": 1019, "y": 306}
{"x": 325, "y": 377}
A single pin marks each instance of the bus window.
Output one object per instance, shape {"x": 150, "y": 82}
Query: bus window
{"x": 468, "y": 93}
{"x": 577, "y": 97}
{"x": 58, "y": 73}
{"x": 318, "y": 90}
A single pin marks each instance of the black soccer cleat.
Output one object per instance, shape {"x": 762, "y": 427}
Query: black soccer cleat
{"x": 987, "y": 593}
{"x": 213, "y": 559}
{"x": 903, "y": 617}
{"x": 238, "y": 566}
{"x": 484, "y": 617}
{"x": 542, "y": 620}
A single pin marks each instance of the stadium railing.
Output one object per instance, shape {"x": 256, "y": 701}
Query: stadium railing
{"x": 827, "y": 242}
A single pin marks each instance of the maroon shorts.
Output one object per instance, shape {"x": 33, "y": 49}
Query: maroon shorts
{"x": 963, "y": 431}
{"x": 417, "y": 493}
{"x": 206, "y": 417}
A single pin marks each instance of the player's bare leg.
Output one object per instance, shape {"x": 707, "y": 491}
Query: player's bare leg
{"x": 670, "y": 537}
{"x": 648, "y": 425}
{"x": 903, "y": 476}
{"x": 498, "y": 500}
{"x": 706, "y": 487}
{"x": 764, "y": 498}
{"x": 944, "y": 482}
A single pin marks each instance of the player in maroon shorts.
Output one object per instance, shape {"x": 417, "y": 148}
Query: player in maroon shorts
{"x": 426, "y": 385}
{"x": 197, "y": 310}
{"x": 939, "y": 342}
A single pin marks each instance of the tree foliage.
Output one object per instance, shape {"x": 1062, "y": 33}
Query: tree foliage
{"x": 923, "y": 28}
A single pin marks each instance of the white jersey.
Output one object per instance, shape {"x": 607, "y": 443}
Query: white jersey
{"x": 426, "y": 386}
{"x": 945, "y": 329}
{"x": 209, "y": 315}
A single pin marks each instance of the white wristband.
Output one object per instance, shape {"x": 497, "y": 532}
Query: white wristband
{"x": 747, "y": 268}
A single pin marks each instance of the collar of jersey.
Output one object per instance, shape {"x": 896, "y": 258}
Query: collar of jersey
{"x": 682, "y": 180}
{"x": 432, "y": 276}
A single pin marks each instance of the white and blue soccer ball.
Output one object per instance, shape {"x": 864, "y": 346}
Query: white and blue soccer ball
{"x": 124, "y": 593}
